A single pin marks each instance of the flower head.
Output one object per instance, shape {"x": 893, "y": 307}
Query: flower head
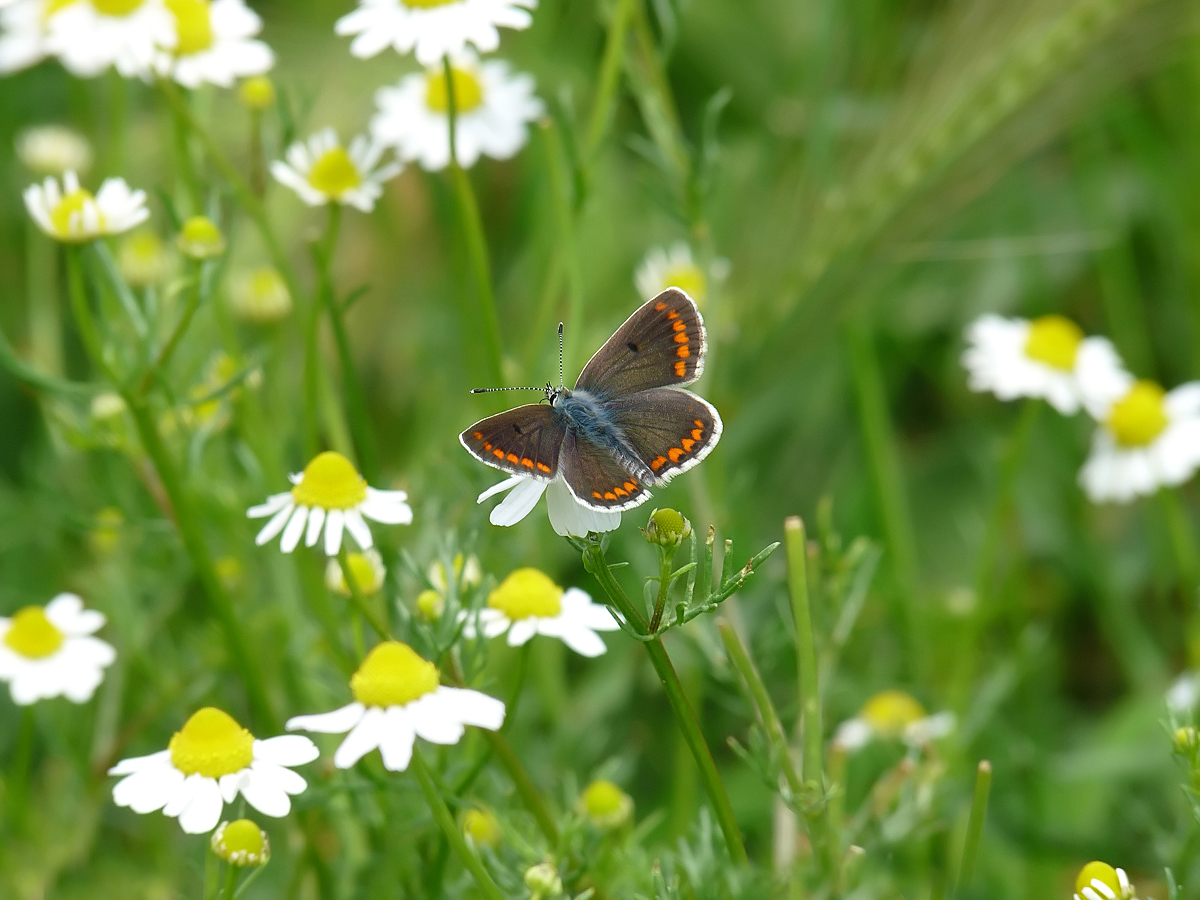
{"x": 467, "y": 572}
{"x": 207, "y": 764}
{"x": 89, "y": 36}
{"x": 329, "y": 494}
{"x": 258, "y": 93}
{"x": 544, "y": 880}
{"x": 667, "y": 528}
{"x": 482, "y": 826}
{"x": 893, "y": 714}
{"x": 322, "y": 171}
{"x": 143, "y": 258}
{"x": 200, "y": 239}
{"x": 1148, "y": 438}
{"x": 50, "y": 652}
{"x": 214, "y": 43}
{"x": 493, "y": 108}
{"x": 398, "y": 698}
{"x": 431, "y": 28}
{"x": 70, "y": 213}
{"x": 52, "y": 149}
{"x": 261, "y": 296}
{"x": 1100, "y": 881}
{"x": 367, "y": 569}
{"x": 674, "y": 267}
{"x": 241, "y": 843}
{"x": 23, "y": 35}
{"x": 1048, "y": 358}
{"x": 605, "y": 804}
{"x": 567, "y": 515}
{"x": 527, "y": 602}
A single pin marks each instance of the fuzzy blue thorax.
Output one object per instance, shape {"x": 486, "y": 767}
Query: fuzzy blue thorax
{"x": 587, "y": 416}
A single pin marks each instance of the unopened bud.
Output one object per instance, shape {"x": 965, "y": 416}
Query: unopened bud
{"x": 543, "y": 880}
{"x": 667, "y": 528}
{"x": 1187, "y": 741}
{"x": 430, "y": 605}
{"x": 200, "y": 238}
{"x": 257, "y": 93}
{"x": 241, "y": 843}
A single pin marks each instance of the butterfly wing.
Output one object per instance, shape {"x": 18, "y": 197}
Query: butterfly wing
{"x": 596, "y": 478}
{"x": 663, "y": 343}
{"x": 670, "y": 429}
{"x": 523, "y": 441}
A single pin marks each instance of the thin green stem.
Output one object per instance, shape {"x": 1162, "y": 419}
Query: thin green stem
{"x": 372, "y": 615}
{"x": 185, "y": 320}
{"x": 476, "y": 241}
{"x": 979, "y": 800}
{"x": 441, "y": 814}
{"x": 322, "y": 252}
{"x": 514, "y": 693}
{"x": 685, "y": 716}
{"x": 212, "y": 873}
{"x": 45, "y": 319}
{"x": 84, "y": 320}
{"x": 664, "y": 587}
{"x": 762, "y": 700}
{"x": 231, "y": 880}
{"x": 610, "y": 74}
{"x": 18, "y": 780}
{"x": 184, "y": 159}
{"x": 566, "y": 215}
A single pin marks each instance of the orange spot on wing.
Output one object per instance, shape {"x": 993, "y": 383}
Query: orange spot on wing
{"x": 681, "y": 368}
{"x": 597, "y": 495}
{"x": 675, "y": 453}
{"x": 697, "y": 423}
{"x": 659, "y": 306}
{"x": 499, "y": 454}
{"x": 487, "y": 445}
{"x": 609, "y": 495}
{"x": 513, "y": 458}
{"x": 658, "y": 463}
{"x": 631, "y": 486}
{"x": 542, "y": 467}
{"x": 527, "y": 463}
{"x": 683, "y": 352}
{"x": 681, "y": 338}
{"x": 479, "y": 435}
{"x": 697, "y": 434}
{"x": 680, "y": 326}
{"x": 687, "y": 443}
{"x": 673, "y": 314}
{"x": 620, "y": 493}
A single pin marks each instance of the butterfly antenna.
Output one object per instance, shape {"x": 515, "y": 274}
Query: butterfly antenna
{"x": 494, "y": 390}
{"x": 560, "y": 355}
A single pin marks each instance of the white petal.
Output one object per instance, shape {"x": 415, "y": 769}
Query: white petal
{"x": 274, "y": 504}
{"x": 581, "y": 639}
{"x": 396, "y": 745}
{"x": 286, "y": 750}
{"x": 315, "y": 520}
{"x": 266, "y": 795}
{"x": 337, "y": 722}
{"x": 274, "y": 526}
{"x": 333, "y": 532}
{"x": 363, "y": 738}
{"x": 288, "y": 781}
{"x": 472, "y": 707}
{"x": 506, "y": 485}
{"x": 570, "y": 517}
{"x": 519, "y": 503}
{"x": 433, "y": 721}
{"x": 295, "y": 528}
{"x": 358, "y": 529}
{"x": 148, "y": 790}
{"x": 204, "y": 812}
{"x": 140, "y": 763}
{"x": 522, "y": 630}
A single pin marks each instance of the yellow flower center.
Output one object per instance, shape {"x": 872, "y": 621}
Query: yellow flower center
{"x": 242, "y": 843}
{"x": 482, "y": 827}
{"x": 200, "y": 238}
{"x": 335, "y": 173}
{"x": 54, "y": 6}
{"x": 32, "y": 635}
{"x": 605, "y": 803}
{"x": 468, "y": 92}
{"x": 117, "y": 8}
{"x": 366, "y": 575}
{"x": 258, "y": 93}
{"x": 427, "y": 4}
{"x": 193, "y": 26}
{"x": 525, "y": 593}
{"x": 1055, "y": 341}
{"x": 890, "y": 712}
{"x": 1140, "y": 416}
{"x": 430, "y": 605}
{"x": 1098, "y": 871}
{"x": 393, "y": 675}
{"x": 330, "y": 482}
{"x": 211, "y": 744}
{"x": 73, "y": 203}
{"x": 688, "y": 279}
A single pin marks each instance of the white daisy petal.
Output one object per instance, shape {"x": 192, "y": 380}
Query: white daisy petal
{"x": 472, "y": 707}
{"x": 339, "y": 721}
{"x": 148, "y": 790}
{"x": 203, "y": 813}
{"x": 522, "y": 630}
{"x": 273, "y": 527}
{"x": 266, "y": 795}
{"x": 315, "y": 520}
{"x": 519, "y": 503}
{"x": 362, "y": 739}
{"x": 396, "y": 745}
{"x": 334, "y": 525}
{"x": 286, "y": 750}
{"x": 433, "y": 721}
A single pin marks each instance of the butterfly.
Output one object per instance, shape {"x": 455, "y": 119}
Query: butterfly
{"x": 626, "y": 426}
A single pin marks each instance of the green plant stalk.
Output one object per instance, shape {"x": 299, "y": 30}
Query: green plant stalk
{"x": 312, "y": 330}
{"x": 212, "y": 873}
{"x": 231, "y": 880}
{"x": 476, "y": 240}
{"x": 45, "y": 318}
{"x": 879, "y": 442}
{"x": 610, "y": 75}
{"x": 983, "y": 785}
{"x": 762, "y": 700}
{"x": 796, "y": 548}
{"x": 567, "y": 255}
{"x": 185, "y": 320}
{"x": 184, "y": 159}
{"x": 684, "y": 715}
{"x": 372, "y": 615}
{"x": 665, "y": 560}
{"x": 1183, "y": 547}
{"x": 441, "y": 814}
{"x": 258, "y": 158}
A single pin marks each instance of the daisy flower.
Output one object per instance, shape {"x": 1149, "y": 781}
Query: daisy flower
{"x": 70, "y": 213}
{"x": 322, "y": 171}
{"x": 431, "y": 28}
{"x": 1147, "y": 439}
{"x": 893, "y": 714}
{"x": 367, "y": 568}
{"x": 527, "y": 602}
{"x": 260, "y": 296}
{"x": 23, "y": 33}
{"x": 214, "y": 43}
{"x": 52, "y": 149}
{"x": 329, "y": 494}
{"x": 50, "y": 652}
{"x": 398, "y": 698}
{"x": 1100, "y": 881}
{"x": 493, "y": 108}
{"x": 1048, "y": 358}
{"x": 241, "y": 843}
{"x": 605, "y": 804}
{"x": 567, "y": 515}
{"x": 674, "y": 267}
{"x": 89, "y": 36}
{"x": 208, "y": 763}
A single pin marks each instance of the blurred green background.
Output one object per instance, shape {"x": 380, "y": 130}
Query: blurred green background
{"x": 881, "y": 174}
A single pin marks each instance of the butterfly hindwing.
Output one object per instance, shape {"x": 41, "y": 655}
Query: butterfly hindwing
{"x": 670, "y": 429}
{"x": 523, "y": 441}
{"x": 596, "y": 478}
{"x": 662, "y": 344}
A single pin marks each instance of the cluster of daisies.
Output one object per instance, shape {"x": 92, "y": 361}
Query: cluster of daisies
{"x": 1146, "y": 438}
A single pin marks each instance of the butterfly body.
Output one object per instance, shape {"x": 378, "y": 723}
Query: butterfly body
{"x": 626, "y": 424}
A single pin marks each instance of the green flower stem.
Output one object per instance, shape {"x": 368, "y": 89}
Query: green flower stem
{"x": 84, "y": 320}
{"x": 610, "y": 75}
{"x": 231, "y": 880}
{"x": 595, "y": 563}
{"x": 762, "y": 700}
{"x": 45, "y": 318}
{"x": 666, "y": 557}
{"x": 34, "y": 378}
{"x": 476, "y": 241}
{"x": 983, "y": 785}
{"x": 796, "y": 547}
{"x": 879, "y": 443}
{"x": 566, "y": 248}
{"x": 185, "y": 320}
{"x": 258, "y": 158}
{"x": 441, "y": 813}
{"x": 17, "y": 788}
{"x": 1183, "y": 546}
{"x": 372, "y": 615}
{"x": 355, "y": 396}
{"x": 323, "y": 251}
{"x": 212, "y": 873}
{"x": 184, "y": 159}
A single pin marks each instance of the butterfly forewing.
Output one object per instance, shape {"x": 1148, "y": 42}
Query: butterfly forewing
{"x": 670, "y": 429}
{"x": 660, "y": 345}
{"x": 524, "y": 441}
{"x": 596, "y": 478}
